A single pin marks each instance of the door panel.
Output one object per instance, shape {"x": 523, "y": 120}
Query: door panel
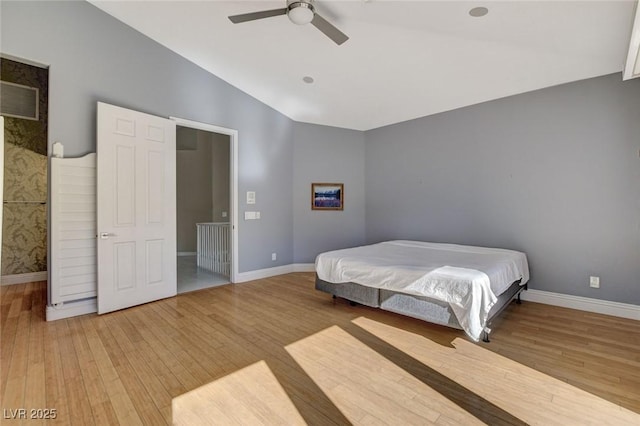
{"x": 154, "y": 252}
{"x": 125, "y": 194}
{"x": 124, "y": 269}
{"x": 136, "y": 208}
{"x": 155, "y": 192}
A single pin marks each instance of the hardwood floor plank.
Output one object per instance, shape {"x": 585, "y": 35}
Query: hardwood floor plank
{"x": 55, "y": 385}
{"x": 77, "y": 396}
{"x": 145, "y": 371}
{"x": 36, "y": 384}
{"x": 110, "y": 401}
{"x": 7, "y": 298}
{"x": 144, "y": 405}
{"x": 202, "y": 346}
{"x": 16, "y": 384}
{"x": 162, "y": 341}
{"x": 8, "y": 329}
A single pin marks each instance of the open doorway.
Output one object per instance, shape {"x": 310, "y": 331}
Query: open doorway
{"x": 24, "y": 106}
{"x": 203, "y": 208}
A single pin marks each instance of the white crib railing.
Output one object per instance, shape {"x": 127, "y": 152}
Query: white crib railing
{"x": 213, "y": 247}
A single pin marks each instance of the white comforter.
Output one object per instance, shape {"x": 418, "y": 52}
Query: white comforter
{"x": 468, "y": 278}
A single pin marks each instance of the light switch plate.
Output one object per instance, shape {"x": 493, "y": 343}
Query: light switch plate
{"x": 251, "y": 197}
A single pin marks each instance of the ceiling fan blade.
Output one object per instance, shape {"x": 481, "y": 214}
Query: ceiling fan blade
{"x": 329, "y": 30}
{"x": 245, "y": 17}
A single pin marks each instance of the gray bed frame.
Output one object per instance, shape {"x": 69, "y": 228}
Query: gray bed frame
{"x": 423, "y": 308}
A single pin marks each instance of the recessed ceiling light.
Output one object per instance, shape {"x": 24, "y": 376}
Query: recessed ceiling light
{"x": 478, "y": 12}
{"x": 307, "y": 79}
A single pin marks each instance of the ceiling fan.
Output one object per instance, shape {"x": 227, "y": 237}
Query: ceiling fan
{"x": 299, "y": 12}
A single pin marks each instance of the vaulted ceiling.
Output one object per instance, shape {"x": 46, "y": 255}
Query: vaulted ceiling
{"x": 403, "y": 59}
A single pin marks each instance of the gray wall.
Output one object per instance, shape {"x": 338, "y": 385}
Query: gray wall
{"x": 93, "y": 57}
{"x": 202, "y": 182}
{"x": 554, "y": 173}
{"x": 327, "y": 154}
{"x": 194, "y": 185}
{"x": 220, "y": 172}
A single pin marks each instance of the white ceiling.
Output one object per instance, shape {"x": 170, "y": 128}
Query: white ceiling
{"x": 404, "y": 59}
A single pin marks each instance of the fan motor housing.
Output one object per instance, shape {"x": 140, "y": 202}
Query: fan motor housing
{"x": 306, "y": 2}
{"x": 300, "y": 11}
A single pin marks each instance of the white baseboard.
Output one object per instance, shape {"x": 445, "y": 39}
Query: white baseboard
{"x": 187, "y": 253}
{"x": 259, "y": 274}
{"x": 304, "y": 267}
{"x": 623, "y": 310}
{"x": 72, "y": 309}
{"x": 272, "y": 272}
{"x": 23, "y": 278}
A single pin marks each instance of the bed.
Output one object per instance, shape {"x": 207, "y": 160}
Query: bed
{"x": 459, "y": 286}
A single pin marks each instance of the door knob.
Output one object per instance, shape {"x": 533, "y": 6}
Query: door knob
{"x": 105, "y": 235}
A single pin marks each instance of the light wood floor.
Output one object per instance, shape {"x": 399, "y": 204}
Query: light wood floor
{"x": 277, "y": 351}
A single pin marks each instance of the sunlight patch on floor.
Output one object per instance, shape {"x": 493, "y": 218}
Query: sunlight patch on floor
{"x": 368, "y": 388}
{"x": 251, "y": 395}
{"x": 522, "y": 391}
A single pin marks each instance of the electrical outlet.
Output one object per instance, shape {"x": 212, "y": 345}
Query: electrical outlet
{"x": 274, "y": 256}
{"x": 594, "y": 282}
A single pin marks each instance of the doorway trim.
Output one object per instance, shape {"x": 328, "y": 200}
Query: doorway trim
{"x": 233, "y": 137}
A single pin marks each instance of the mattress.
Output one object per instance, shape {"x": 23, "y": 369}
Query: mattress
{"x": 468, "y": 278}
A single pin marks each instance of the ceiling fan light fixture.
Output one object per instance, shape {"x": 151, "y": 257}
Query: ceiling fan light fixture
{"x": 300, "y": 13}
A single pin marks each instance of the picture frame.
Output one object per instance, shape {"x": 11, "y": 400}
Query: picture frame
{"x": 327, "y": 196}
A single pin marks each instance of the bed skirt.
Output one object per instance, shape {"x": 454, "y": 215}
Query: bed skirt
{"x": 422, "y": 308}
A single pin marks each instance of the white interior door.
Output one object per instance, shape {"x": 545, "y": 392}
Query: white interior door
{"x": 136, "y": 218}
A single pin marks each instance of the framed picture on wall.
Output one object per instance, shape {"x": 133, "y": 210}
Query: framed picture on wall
{"x": 327, "y": 196}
